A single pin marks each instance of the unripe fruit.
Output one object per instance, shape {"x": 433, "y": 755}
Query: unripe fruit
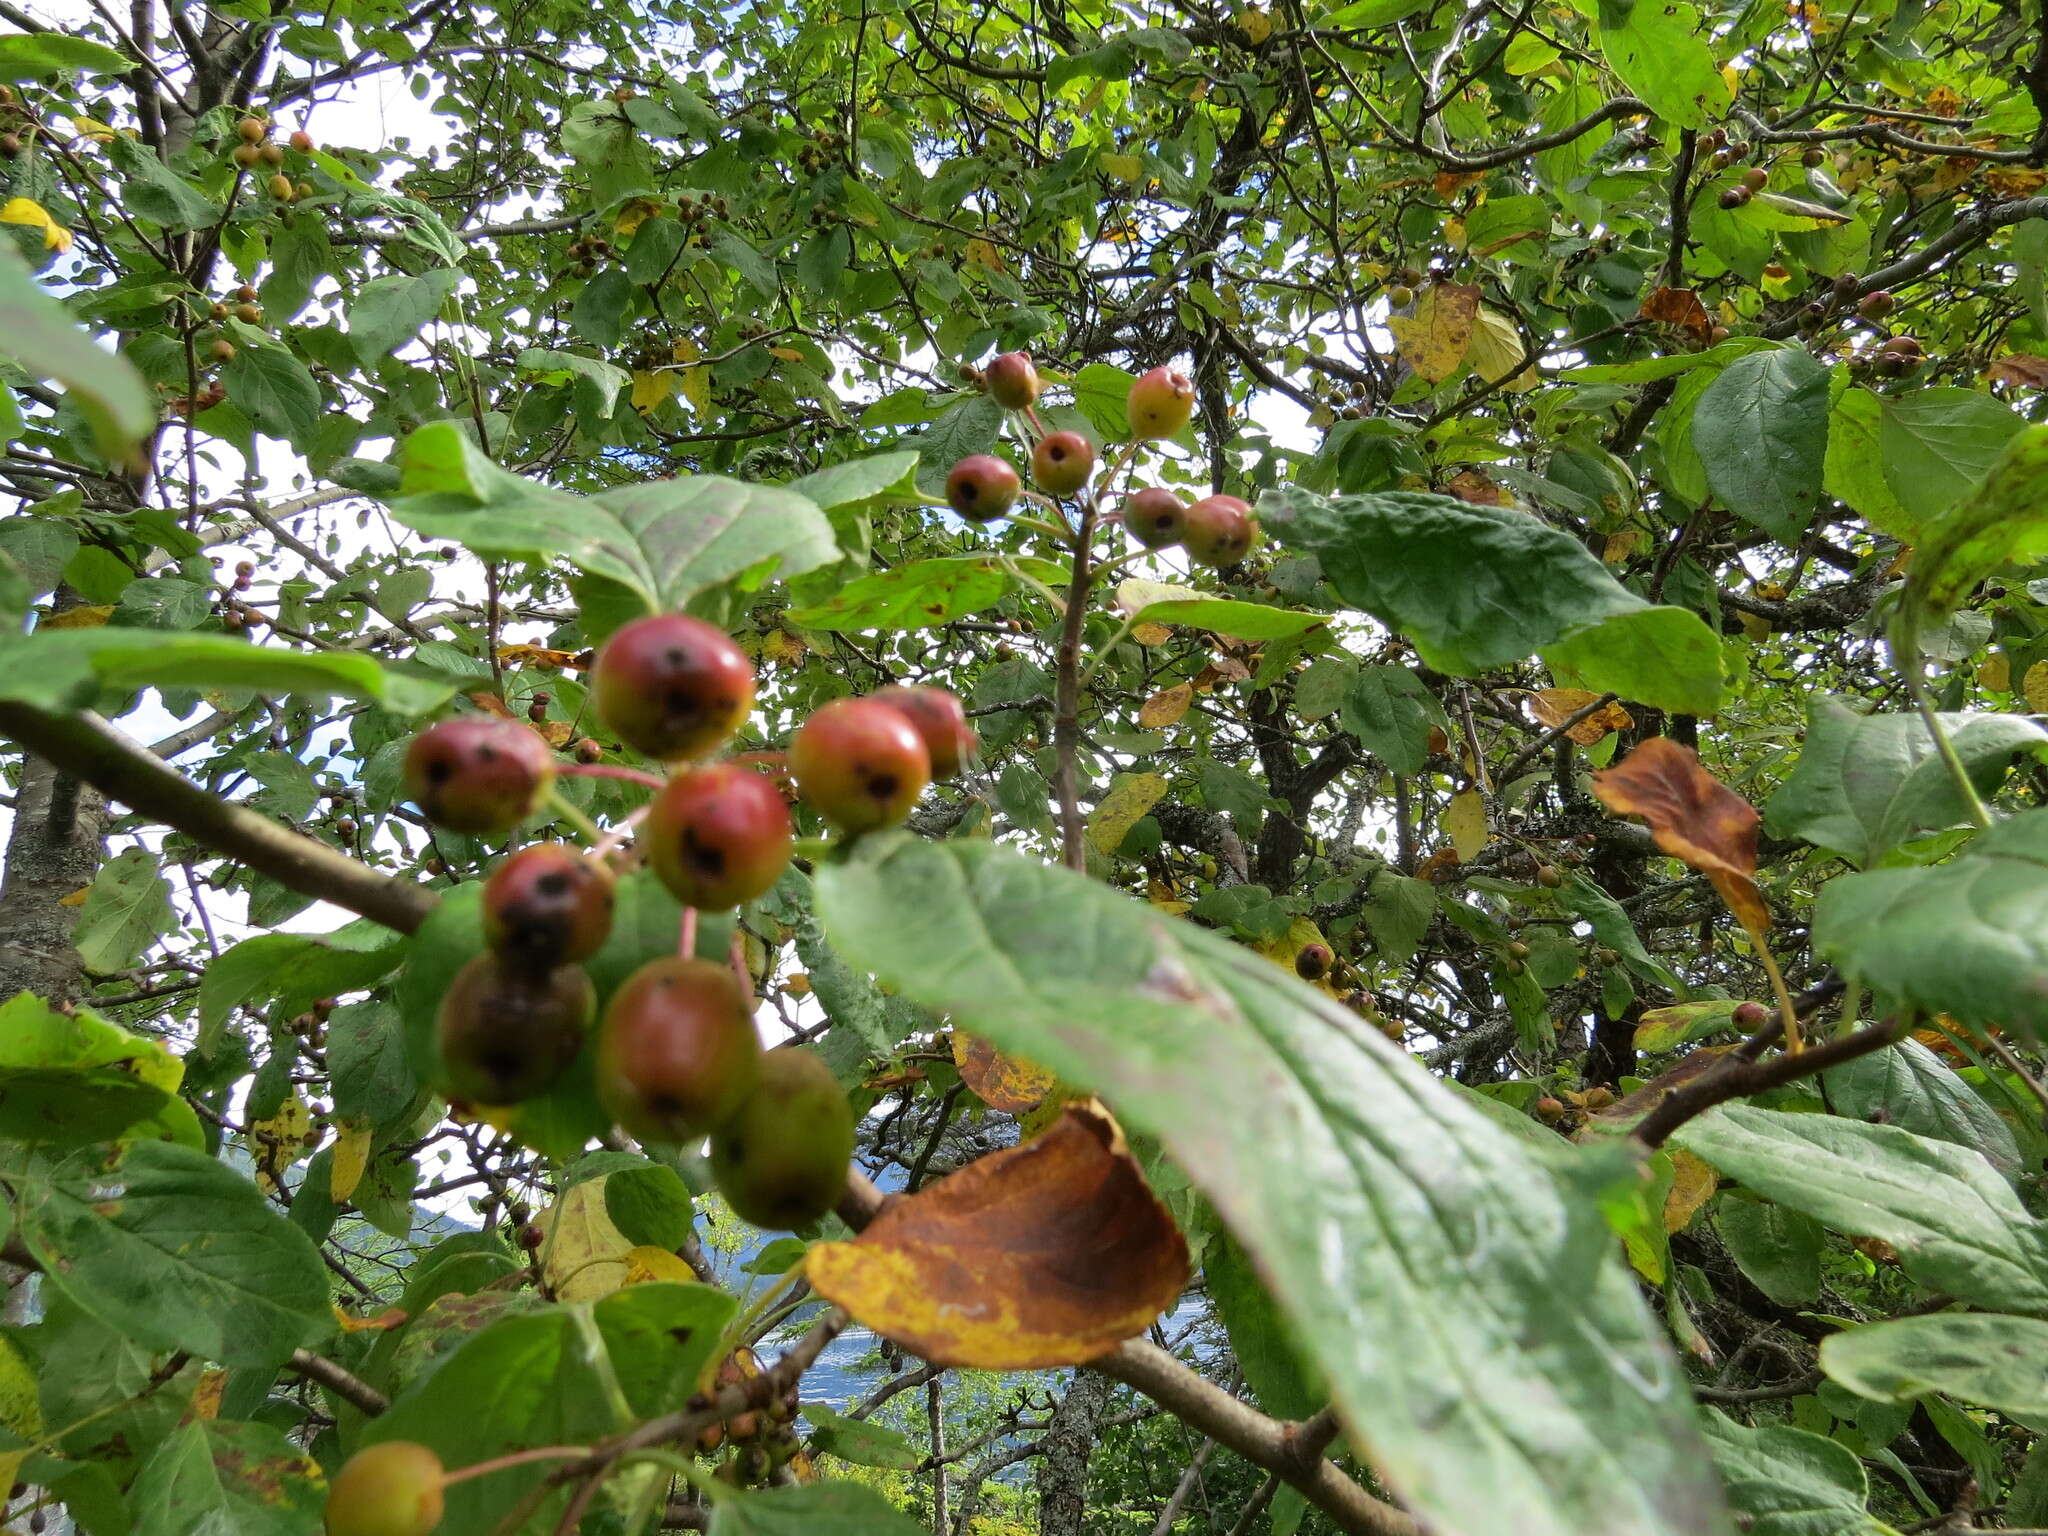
{"x": 1062, "y": 462}
{"x": 531, "y": 1237}
{"x": 1599, "y": 1098}
{"x": 1875, "y": 306}
{"x": 302, "y": 141}
{"x": 222, "y": 349}
{"x": 1549, "y": 1110}
{"x": 251, "y": 129}
{"x": 271, "y": 154}
{"x": 281, "y": 188}
{"x": 10, "y": 145}
{"x": 546, "y": 906}
{"x": 672, "y": 687}
{"x": 1904, "y": 346}
{"x": 1750, "y": 1016}
{"x": 1012, "y": 380}
{"x": 982, "y": 487}
{"x": 303, "y": 189}
{"x": 780, "y": 1161}
{"x": 1814, "y": 157}
{"x": 718, "y": 836}
{"x": 249, "y": 314}
{"x": 939, "y": 719}
{"x": 1160, "y": 404}
{"x": 1155, "y": 517}
{"x": 247, "y": 155}
{"x": 1718, "y": 334}
{"x": 1312, "y": 962}
{"x": 589, "y": 750}
{"x": 1400, "y": 296}
{"x": 247, "y": 293}
{"x": 392, "y": 1488}
{"x": 479, "y": 775}
{"x": 507, "y": 1033}
{"x": 860, "y": 763}
{"x": 1220, "y": 531}
{"x": 1754, "y": 178}
{"x": 1735, "y": 197}
{"x": 1517, "y": 950}
{"x": 677, "y": 1053}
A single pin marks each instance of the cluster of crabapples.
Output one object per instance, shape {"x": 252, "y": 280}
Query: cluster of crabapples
{"x": 677, "y": 1058}
{"x": 1217, "y": 531}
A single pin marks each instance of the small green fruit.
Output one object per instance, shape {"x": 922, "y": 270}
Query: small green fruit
{"x": 1161, "y": 402}
{"x": 781, "y": 1160}
{"x": 392, "y": 1488}
{"x": 677, "y": 1054}
{"x": 861, "y": 763}
{"x": 1220, "y": 531}
{"x": 1012, "y": 380}
{"x": 1062, "y": 462}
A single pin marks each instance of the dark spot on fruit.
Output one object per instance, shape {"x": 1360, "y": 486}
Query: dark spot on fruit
{"x": 554, "y": 885}
{"x": 881, "y": 785}
{"x": 664, "y": 1105}
{"x": 440, "y": 770}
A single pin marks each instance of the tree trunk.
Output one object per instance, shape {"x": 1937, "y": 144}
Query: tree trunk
{"x": 1069, "y": 1441}
{"x": 54, "y": 849}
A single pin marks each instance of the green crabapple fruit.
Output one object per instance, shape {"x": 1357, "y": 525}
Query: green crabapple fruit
{"x": 392, "y": 1488}
{"x": 677, "y": 1052}
{"x": 1161, "y": 402}
{"x": 781, "y": 1159}
{"x": 1012, "y": 380}
{"x": 982, "y": 487}
{"x": 1062, "y": 462}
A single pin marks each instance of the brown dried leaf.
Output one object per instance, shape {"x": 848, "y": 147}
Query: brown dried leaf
{"x": 1680, "y": 307}
{"x": 1554, "y": 706}
{"x": 1166, "y": 706}
{"x": 1469, "y": 485}
{"x": 1047, "y": 1254}
{"x": 1433, "y": 339}
{"x": 535, "y": 656}
{"x": 1692, "y": 1185}
{"x": 1011, "y": 1084}
{"x": 1693, "y": 816}
{"x": 2019, "y": 368}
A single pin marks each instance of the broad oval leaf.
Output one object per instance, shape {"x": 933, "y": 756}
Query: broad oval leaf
{"x": 1981, "y": 1357}
{"x": 224, "y": 1476}
{"x": 920, "y": 595}
{"x": 1788, "y": 1482}
{"x": 178, "y": 1251}
{"x": 1371, "y": 1196}
{"x": 1761, "y": 430}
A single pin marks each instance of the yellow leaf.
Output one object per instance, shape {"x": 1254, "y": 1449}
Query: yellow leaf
{"x": 1151, "y": 634}
{"x": 1620, "y": 545}
{"x": 644, "y": 1264}
{"x": 1166, "y": 706}
{"x": 652, "y": 388}
{"x": 24, "y": 210}
{"x": 1692, "y": 1183}
{"x": 1465, "y": 824}
{"x": 1130, "y": 796}
{"x": 1125, "y": 168}
{"x": 1255, "y": 24}
{"x": 20, "y": 1407}
{"x": 1996, "y": 673}
{"x": 2035, "y": 686}
{"x": 695, "y": 382}
{"x": 780, "y": 645}
{"x": 1282, "y": 951}
{"x": 288, "y": 1126}
{"x": 351, "y": 1157}
{"x": 1009, "y": 1083}
{"x": 981, "y": 253}
{"x": 206, "y": 1397}
{"x": 1497, "y": 347}
{"x": 633, "y": 214}
{"x": 787, "y": 354}
{"x": 76, "y": 898}
{"x": 583, "y": 1254}
{"x": 79, "y": 618}
{"x": 95, "y": 130}
{"x": 1755, "y": 626}
{"x": 1434, "y": 340}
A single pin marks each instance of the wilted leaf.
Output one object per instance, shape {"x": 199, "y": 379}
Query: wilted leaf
{"x": 351, "y": 1157}
{"x": 1008, "y": 1083}
{"x": 1166, "y": 706}
{"x": 1692, "y": 1184}
{"x": 584, "y": 1256}
{"x": 1665, "y": 1029}
{"x": 1047, "y": 1254}
{"x": 2019, "y": 368}
{"x": 1434, "y": 339}
{"x": 1680, "y": 307}
{"x": 1554, "y": 706}
{"x": 1694, "y": 817}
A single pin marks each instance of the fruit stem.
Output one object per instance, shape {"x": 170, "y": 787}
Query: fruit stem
{"x": 736, "y": 1331}
{"x": 516, "y": 1459}
{"x": 586, "y": 829}
{"x": 686, "y": 935}
{"x": 1786, "y": 1010}
{"x": 608, "y": 771}
{"x": 605, "y": 846}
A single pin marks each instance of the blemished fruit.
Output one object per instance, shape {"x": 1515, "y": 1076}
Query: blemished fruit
{"x": 1312, "y": 962}
{"x": 1599, "y": 1098}
{"x": 479, "y": 775}
{"x": 1549, "y": 1110}
{"x": 1220, "y": 531}
{"x": 1548, "y": 876}
{"x": 861, "y": 763}
{"x": 672, "y": 687}
{"x": 546, "y": 906}
{"x": 271, "y": 154}
{"x": 249, "y": 314}
{"x": 1750, "y": 1016}
{"x": 781, "y": 1160}
{"x": 392, "y": 1488}
{"x": 677, "y": 1053}
{"x": 222, "y": 349}
{"x": 251, "y": 129}
{"x": 506, "y": 1033}
{"x": 1062, "y": 462}
{"x": 982, "y": 487}
{"x": 1155, "y": 517}
{"x": 1161, "y": 402}
{"x": 1400, "y": 296}
{"x": 1875, "y": 306}
{"x": 1735, "y": 196}
{"x": 281, "y": 188}
{"x": 717, "y": 836}
{"x": 247, "y": 156}
{"x": 1012, "y": 380}
{"x": 939, "y": 718}
{"x": 302, "y": 141}
{"x": 1755, "y": 178}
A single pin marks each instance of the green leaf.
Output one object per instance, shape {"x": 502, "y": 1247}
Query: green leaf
{"x": 178, "y": 1251}
{"x": 858, "y": 1441}
{"x": 650, "y": 1206}
{"x": 1761, "y": 430}
{"x": 154, "y": 191}
{"x": 31, "y": 55}
{"x": 389, "y": 311}
{"x": 127, "y": 909}
{"x": 598, "y": 385}
{"x": 1479, "y": 587}
{"x": 1777, "y": 1247}
{"x": 68, "y": 668}
{"x": 1399, "y": 913}
{"x": 1854, "y": 471}
{"x": 887, "y": 477}
{"x": 967, "y": 426}
{"x": 1957, "y": 1225}
{"x": 529, "y": 1380}
{"x": 1864, "y": 784}
{"x": 1968, "y": 938}
{"x": 666, "y": 540}
{"x": 919, "y": 595}
{"x": 1665, "y": 1029}
{"x": 294, "y": 968}
{"x": 599, "y": 314}
{"x": 823, "y": 1509}
{"x": 1661, "y": 54}
{"x": 1102, "y": 392}
{"x": 1997, "y": 1362}
{"x": 1910, "y": 1087}
{"x": 1787, "y": 1482}
{"x": 2003, "y": 520}
{"x": 1936, "y": 444}
{"x": 273, "y": 389}
{"x": 212, "y": 1475}
{"x": 71, "y": 1079}
{"x": 373, "y": 1080}
{"x": 1390, "y": 710}
{"x": 1227, "y": 616}
{"x": 36, "y": 332}
{"x": 1261, "y": 1342}
{"x": 1365, "y": 1189}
